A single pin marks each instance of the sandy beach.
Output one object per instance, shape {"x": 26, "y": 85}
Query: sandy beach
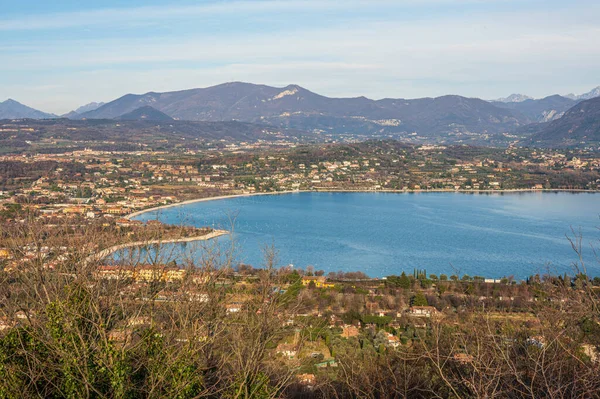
{"x": 222, "y": 197}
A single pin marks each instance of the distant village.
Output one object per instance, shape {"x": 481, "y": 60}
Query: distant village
{"x": 94, "y": 184}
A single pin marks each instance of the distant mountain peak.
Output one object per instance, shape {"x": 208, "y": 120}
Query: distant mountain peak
{"x": 84, "y": 108}
{"x": 595, "y": 92}
{"x": 145, "y": 113}
{"x": 514, "y": 98}
{"x": 12, "y": 109}
{"x": 89, "y": 107}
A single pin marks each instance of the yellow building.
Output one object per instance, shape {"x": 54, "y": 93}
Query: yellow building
{"x": 74, "y": 209}
{"x": 160, "y": 274}
{"x": 319, "y": 281}
{"x": 114, "y": 211}
{"x": 143, "y": 273}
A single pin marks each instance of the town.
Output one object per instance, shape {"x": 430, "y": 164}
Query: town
{"x": 93, "y": 184}
{"x": 311, "y": 333}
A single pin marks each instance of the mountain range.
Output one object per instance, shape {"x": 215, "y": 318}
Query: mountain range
{"x": 517, "y": 98}
{"x": 448, "y": 119}
{"x": 295, "y": 107}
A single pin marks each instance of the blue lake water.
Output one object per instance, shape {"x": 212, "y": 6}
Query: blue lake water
{"x": 491, "y": 235}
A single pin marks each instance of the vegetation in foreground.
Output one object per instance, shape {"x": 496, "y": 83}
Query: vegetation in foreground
{"x": 74, "y": 328}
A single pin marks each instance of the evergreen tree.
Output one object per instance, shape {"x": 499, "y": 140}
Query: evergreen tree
{"x": 404, "y": 281}
{"x": 419, "y": 300}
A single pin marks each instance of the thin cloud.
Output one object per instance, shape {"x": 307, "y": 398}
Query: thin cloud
{"x": 382, "y": 44}
{"x": 132, "y": 15}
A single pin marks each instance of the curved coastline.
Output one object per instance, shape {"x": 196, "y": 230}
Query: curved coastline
{"x": 328, "y": 190}
{"x": 486, "y": 257}
{"x": 220, "y": 197}
{"x": 111, "y": 250}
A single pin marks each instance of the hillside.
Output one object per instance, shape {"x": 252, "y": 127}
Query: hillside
{"x": 11, "y": 109}
{"x": 54, "y": 135}
{"x": 579, "y": 126}
{"x": 146, "y": 113}
{"x": 542, "y": 110}
{"x": 295, "y": 107}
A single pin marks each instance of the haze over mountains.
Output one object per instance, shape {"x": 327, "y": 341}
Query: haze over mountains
{"x": 580, "y": 125}
{"x": 544, "y": 109}
{"x": 514, "y": 98}
{"x": 447, "y": 117}
{"x": 586, "y": 96}
{"x": 541, "y": 110}
{"x": 11, "y": 109}
{"x": 84, "y": 108}
{"x": 517, "y": 98}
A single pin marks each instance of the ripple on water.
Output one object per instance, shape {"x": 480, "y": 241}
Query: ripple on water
{"x": 382, "y": 234}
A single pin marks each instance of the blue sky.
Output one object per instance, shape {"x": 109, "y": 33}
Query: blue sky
{"x": 57, "y": 55}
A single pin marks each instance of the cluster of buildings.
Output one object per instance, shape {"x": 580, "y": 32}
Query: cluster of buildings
{"x": 91, "y": 184}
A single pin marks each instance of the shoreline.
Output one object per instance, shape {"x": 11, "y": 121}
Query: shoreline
{"x": 204, "y": 199}
{"x": 111, "y": 250}
{"x": 333, "y": 190}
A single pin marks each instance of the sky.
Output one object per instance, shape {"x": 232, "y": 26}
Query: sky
{"x": 60, "y": 54}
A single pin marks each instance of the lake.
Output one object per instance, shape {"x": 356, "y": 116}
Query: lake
{"x": 491, "y": 235}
